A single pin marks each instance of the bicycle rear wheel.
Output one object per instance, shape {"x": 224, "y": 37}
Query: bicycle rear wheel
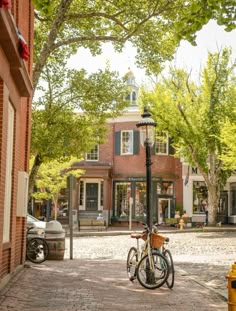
{"x": 132, "y": 261}
{"x": 155, "y": 277}
{"x": 37, "y": 250}
{"x": 171, "y": 278}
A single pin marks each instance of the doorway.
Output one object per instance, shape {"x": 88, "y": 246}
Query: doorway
{"x": 91, "y": 196}
{"x": 163, "y": 211}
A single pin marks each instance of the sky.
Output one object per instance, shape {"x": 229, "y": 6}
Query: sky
{"x": 211, "y": 38}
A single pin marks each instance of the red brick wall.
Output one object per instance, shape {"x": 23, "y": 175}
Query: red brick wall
{"x": 165, "y": 166}
{"x": 12, "y": 254}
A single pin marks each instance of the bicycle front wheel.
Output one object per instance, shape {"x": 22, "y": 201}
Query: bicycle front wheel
{"x": 171, "y": 278}
{"x": 132, "y": 262}
{"x": 152, "y": 272}
{"x": 37, "y": 250}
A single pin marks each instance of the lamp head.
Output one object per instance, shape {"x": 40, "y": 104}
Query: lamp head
{"x": 147, "y": 128}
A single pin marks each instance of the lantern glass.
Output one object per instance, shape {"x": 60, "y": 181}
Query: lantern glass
{"x": 147, "y": 135}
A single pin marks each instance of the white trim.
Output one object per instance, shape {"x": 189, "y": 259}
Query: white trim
{"x": 8, "y": 177}
{"x": 131, "y": 142}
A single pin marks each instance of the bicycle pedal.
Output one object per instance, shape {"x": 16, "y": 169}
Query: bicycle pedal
{"x": 132, "y": 278}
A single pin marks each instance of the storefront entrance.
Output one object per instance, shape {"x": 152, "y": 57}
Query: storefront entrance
{"x": 91, "y": 196}
{"x": 163, "y": 211}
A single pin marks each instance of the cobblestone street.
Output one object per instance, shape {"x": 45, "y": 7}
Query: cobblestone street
{"x": 205, "y": 257}
{"x": 96, "y": 279}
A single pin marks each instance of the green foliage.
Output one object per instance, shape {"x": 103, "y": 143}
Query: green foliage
{"x": 198, "y": 13}
{"x": 57, "y": 131}
{"x": 228, "y": 135}
{"x": 155, "y": 28}
{"x": 198, "y": 117}
{"x": 52, "y": 177}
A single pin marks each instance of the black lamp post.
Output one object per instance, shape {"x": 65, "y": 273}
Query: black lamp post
{"x": 147, "y": 138}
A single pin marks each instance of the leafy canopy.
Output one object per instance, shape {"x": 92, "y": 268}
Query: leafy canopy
{"x": 52, "y": 178}
{"x": 197, "y": 117}
{"x": 57, "y": 131}
{"x": 155, "y": 28}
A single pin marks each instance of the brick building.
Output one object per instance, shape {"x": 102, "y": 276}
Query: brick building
{"x": 16, "y": 28}
{"x": 114, "y": 182}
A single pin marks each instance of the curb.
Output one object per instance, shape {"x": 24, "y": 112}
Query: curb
{"x": 216, "y": 291}
{"x": 161, "y": 231}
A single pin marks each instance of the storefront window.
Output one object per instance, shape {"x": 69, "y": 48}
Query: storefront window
{"x": 233, "y": 199}
{"x": 140, "y": 199}
{"x": 122, "y": 195}
{"x": 200, "y": 196}
{"x": 165, "y": 187}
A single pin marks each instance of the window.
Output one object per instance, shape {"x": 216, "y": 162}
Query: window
{"x": 161, "y": 143}
{"x": 127, "y": 142}
{"x": 165, "y": 187}
{"x": 102, "y": 193}
{"x": 8, "y": 181}
{"x": 140, "y": 199}
{"x": 233, "y": 199}
{"x": 200, "y": 196}
{"x": 81, "y": 193}
{"x": 93, "y": 154}
{"x": 122, "y": 195}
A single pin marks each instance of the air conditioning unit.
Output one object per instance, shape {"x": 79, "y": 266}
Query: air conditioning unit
{"x": 22, "y": 194}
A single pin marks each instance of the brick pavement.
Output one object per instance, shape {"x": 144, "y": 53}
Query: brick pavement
{"x": 99, "y": 285}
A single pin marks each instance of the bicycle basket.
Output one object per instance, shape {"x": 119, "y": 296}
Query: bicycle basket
{"x": 157, "y": 240}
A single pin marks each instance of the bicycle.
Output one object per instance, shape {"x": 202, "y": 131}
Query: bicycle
{"x": 147, "y": 265}
{"x": 37, "y": 249}
{"x": 167, "y": 254}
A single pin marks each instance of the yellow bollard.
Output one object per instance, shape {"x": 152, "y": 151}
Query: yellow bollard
{"x": 232, "y": 288}
{"x": 181, "y": 224}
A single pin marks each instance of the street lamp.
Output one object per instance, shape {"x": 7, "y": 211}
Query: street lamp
{"x": 147, "y": 138}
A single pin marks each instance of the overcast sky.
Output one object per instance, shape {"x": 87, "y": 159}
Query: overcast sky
{"x": 211, "y": 38}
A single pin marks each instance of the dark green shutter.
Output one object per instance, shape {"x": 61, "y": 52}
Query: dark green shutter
{"x": 171, "y": 148}
{"x": 136, "y": 142}
{"x": 117, "y": 143}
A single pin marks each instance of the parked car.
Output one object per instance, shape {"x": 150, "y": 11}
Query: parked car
{"x": 34, "y": 222}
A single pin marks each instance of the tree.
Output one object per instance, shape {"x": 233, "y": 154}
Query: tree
{"x": 228, "y": 139}
{"x": 194, "y": 116}
{"x": 52, "y": 178}
{"x": 198, "y": 13}
{"x": 57, "y": 131}
{"x": 155, "y": 28}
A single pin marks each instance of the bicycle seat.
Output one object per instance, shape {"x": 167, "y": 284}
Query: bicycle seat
{"x": 136, "y": 235}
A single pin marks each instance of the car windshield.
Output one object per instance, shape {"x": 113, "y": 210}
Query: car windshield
{"x": 31, "y": 218}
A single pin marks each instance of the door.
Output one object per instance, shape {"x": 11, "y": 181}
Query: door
{"x": 92, "y": 196}
{"x": 163, "y": 210}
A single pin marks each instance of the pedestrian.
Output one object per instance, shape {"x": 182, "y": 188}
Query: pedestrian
{"x": 177, "y": 215}
{"x": 185, "y": 215}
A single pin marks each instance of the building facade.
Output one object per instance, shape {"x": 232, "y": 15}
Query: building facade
{"x": 114, "y": 179}
{"x": 16, "y": 44}
{"x": 195, "y": 196}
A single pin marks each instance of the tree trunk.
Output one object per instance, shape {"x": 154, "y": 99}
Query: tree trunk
{"x": 33, "y": 174}
{"x": 213, "y": 201}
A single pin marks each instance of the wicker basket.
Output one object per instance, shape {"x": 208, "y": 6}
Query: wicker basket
{"x": 156, "y": 239}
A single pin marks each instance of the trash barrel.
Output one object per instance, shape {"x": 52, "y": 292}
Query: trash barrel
{"x": 55, "y": 237}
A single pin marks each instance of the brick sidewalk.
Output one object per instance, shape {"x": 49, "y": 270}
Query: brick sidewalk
{"x": 99, "y": 285}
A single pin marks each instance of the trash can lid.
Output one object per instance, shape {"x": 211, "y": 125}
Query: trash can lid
{"x": 54, "y": 225}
